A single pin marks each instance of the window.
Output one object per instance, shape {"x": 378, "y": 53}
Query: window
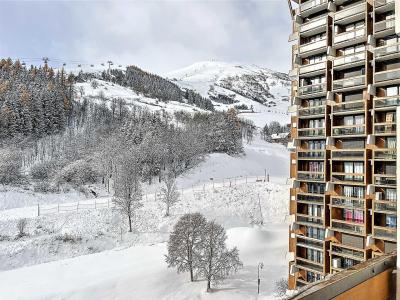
{"x": 353, "y": 191}
{"x": 352, "y": 215}
{"x": 392, "y": 91}
{"x": 391, "y": 194}
{"x": 391, "y": 221}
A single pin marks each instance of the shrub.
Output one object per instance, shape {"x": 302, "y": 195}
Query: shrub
{"x": 21, "y": 226}
{"x": 42, "y": 171}
{"x": 10, "y": 167}
{"x": 78, "y": 173}
{"x": 281, "y": 286}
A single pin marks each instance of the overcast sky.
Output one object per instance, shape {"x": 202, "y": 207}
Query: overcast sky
{"x": 158, "y": 36}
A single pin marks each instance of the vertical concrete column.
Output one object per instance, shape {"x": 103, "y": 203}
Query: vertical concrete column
{"x": 397, "y": 15}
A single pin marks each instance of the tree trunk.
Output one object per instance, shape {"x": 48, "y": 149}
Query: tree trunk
{"x": 208, "y": 286}
{"x": 191, "y": 273}
{"x": 130, "y": 223}
{"x": 167, "y": 212}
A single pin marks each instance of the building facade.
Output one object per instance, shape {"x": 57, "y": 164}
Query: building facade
{"x": 345, "y": 92}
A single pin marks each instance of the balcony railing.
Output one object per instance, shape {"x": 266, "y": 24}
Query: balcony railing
{"x": 380, "y": 3}
{"x": 385, "y": 179}
{"x": 349, "y": 82}
{"x": 309, "y": 242}
{"x": 348, "y": 59}
{"x": 309, "y": 220}
{"x": 346, "y": 154}
{"x": 384, "y": 154}
{"x": 312, "y": 89}
{"x": 311, "y": 154}
{"x": 348, "y": 227}
{"x": 385, "y": 206}
{"x": 350, "y": 11}
{"x": 348, "y": 202}
{"x": 384, "y": 25}
{"x": 311, "y": 132}
{"x": 347, "y": 252}
{"x": 386, "y": 128}
{"x": 349, "y": 106}
{"x": 387, "y": 75}
{"x": 312, "y": 110}
{"x": 342, "y": 176}
{"x": 313, "y": 24}
{"x": 308, "y": 175}
{"x": 387, "y": 101}
{"x": 309, "y": 266}
{"x": 311, "y": 4}
{"x": 348, "y": 130}
{"x": 313, "y": 46}
{"x": 385, "y": 232}
{"x": 387, "y": 50}
{"x": 312, "y": 68}
{"x": 348, "y": 35}
{"x": 310, "y": 199}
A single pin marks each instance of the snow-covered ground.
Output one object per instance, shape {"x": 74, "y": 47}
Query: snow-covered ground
{"x": 82, "y": 254}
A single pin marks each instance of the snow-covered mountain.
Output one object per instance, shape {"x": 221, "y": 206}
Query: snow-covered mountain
{"x": 229, "y": 85}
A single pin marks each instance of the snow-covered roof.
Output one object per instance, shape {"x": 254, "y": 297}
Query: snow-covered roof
{"x": 278, "y": 136}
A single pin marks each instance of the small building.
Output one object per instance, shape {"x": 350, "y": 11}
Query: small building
{"x": 280, "y": 138}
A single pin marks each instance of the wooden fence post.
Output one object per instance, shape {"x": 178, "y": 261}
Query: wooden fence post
{"x": 58, "y": 207}
{"x": 38, "y": 209}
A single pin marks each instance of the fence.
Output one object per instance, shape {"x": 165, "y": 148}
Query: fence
{"x": 212, "y": 184}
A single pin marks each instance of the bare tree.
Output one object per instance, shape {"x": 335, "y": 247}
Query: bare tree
{"x": 21, "y": 226}
{"x": 281, "y": 286}
{"x": 216, "y": 261}
{"x": 128, "y": 192}
{"x": 169, "y": 193}
{"x": 184, "y": 243}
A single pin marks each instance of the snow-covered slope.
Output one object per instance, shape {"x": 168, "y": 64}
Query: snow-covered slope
{"x": 265, "y": 90}
{"x": 106, "y": 91}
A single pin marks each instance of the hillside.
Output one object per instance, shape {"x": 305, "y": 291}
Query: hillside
{"x": 229, "y": 85}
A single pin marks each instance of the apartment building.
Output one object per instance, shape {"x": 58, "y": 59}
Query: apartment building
{"x": 345, "y": 92}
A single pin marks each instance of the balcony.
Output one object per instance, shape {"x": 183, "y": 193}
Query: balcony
{"x": 313, "y": 90}
{"x": 385, "y": 128}
{"x": 310, "y": 199}
{"x": 309, "y": 265}
{"x": 351, "y": 14}
{"x": 348, "y": 107}
{"x": 387, "y": 52}
{"x": 348, "y": 155}
{"x": 386, "y": 233}
{"x": 348, "y": 130}
{"x": 348, "y": 227}
{"x": 385, "y": 154}
{"x": 311, "y": 154}
{"x": 307, "y": 242}
{"x": 313, "y": 47}
{"x": 313, "y": 69}
{"x": 349, "y": 60}
{"x": 385, "y": 27}
{"x": 342, "y": 177}
{"x": 312, "y": 6}
{"x": 387, "y": 77}
{"x": 385, "y": 180}
{"x": 385, "y": 207}
{"x": 380, "y": 3}
{"x": 311, "y": 133}
{"x": 350, "y": 37}
{"x": 309, "y": 220}
{"x": 313, "y": 176}
{"x": 313, "y": 27}
{"x": 347, "y": 202}
{"x": 345, "y": 251}
{"x": 383, "y": 102}
{"x": 348, "y": 84}
{"x": 312, "y": 111}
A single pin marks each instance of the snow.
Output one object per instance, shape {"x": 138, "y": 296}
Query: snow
{"x": 100, "y": 263}
{"x": 114, "y": 91}
{"x": 201, "y": 76}
{"x": 140, "y": 272}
